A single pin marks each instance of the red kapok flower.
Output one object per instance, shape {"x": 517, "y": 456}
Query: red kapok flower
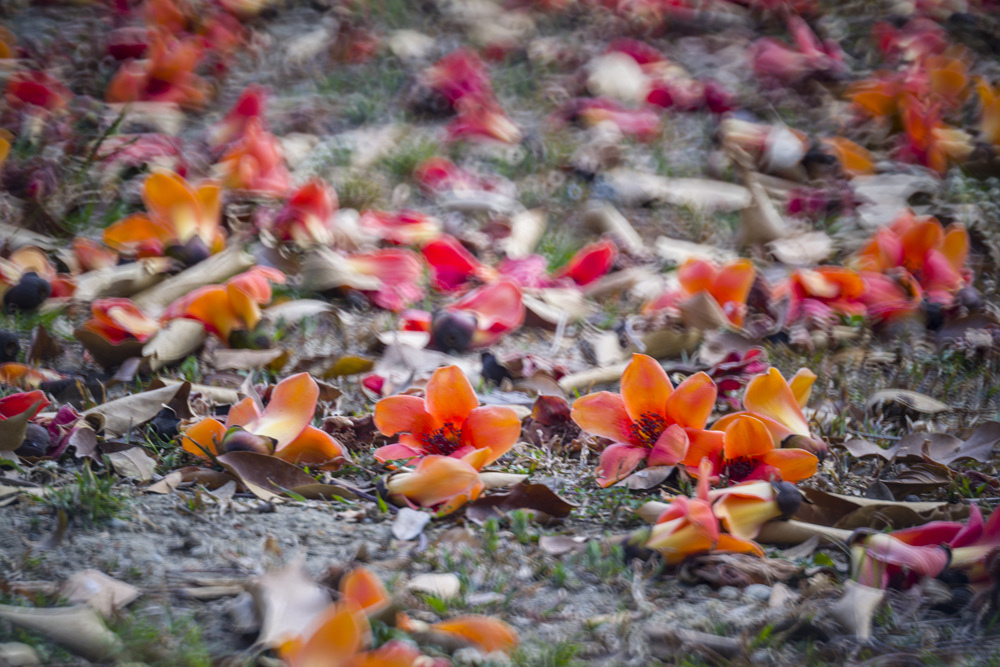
{"x": 31, "y": 402}
{"x": 36, "y": 89}
{"x": 649, "y": 421}
{"x": 166, "y": 76}
{"x": 116, "y": 320}
{"x": 729, "y": 285}
{"x": 449, "y": 422}
{"x": 256, "y": 162}
{"x": 307, "y": 217}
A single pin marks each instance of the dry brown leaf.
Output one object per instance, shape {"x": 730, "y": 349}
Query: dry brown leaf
{"x": 442, "y": 586}
{"x": 12, "y": 430}
{"x": 134, "y": 410}
{"x": 855, "y": 610}
{"x": 264, "y": 476}
{"x": 122, "y": 280}
{"x": 535, "y": 497}
{"x": 78, "y": 629}
{"x": 96, "y": 589}
{"x": 558, "y": 545}
{"x": 850, "y": 512}
{"x": 244, "y": 360}
{"x": 909, "y": 400}
{"x": 287, "y": 602}
{"x": 647, "y": 478}
{"x": 175, "y": 341}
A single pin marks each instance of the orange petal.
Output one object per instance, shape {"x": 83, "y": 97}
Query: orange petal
{"x": 604, "y": 414}
{"x": 365, "y": 589}
{"x": 956, "y": 246}
{"x": 137, "y": 231}
{"x": 489, "y": 634}
{"x": 924, "y": 236}
{"x": 450, "y": 397}
{"x": 209, "y": 196}
{"x": 491, "y": 427}
{"x": 203, "y": 437}
{"x": 738, "y": 545}
{"x": 315, "y": 448}
{"x": 769, "y": 395}
{"x": 244, "y": 306}
{"x": 795, "y": 465}
{"x": 801, "y": 385}
{"x": 676, "y": 540}
{"x": 697, "y": 275}
{"x": 733, "y": 281}
{"x": 291, "y": 409}
{"x": 645, "y": 388}
{"x": 855, "y": 160}
{"x": 396, "y": 414}
{"x": 670, "y": 448}
{"x": 747, "y": 438}
{"x": 692, "y": 402}
{"x": 435, "y": 480}
{"x": 339, "y": 633}
{"x": 243, "y": 413}
{"x": 744, "y": 515}
{"x": 211, "y": 306}
{"x": 169, "y": 198}
{"x": 477, "y": 458}
{"x": 703, "y": 444}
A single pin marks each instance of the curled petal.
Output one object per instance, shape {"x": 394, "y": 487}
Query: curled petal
{"x": 590, "y": 263}
{"x": 769, "y": 395}
{"x": 137, "y": 233}
{"x": 801, "y": 385}
{"x": 603, "y": 413}
{"x": 956, "y": 246}
{"x": 203, "y": 438}
{"x": 491, "y": 427}
{"x": 676, "y": 540}
{"x": 398, "y": 452}
{"x": 450, "y": 396}
{"x": 488, "y": 634}
{"x": 738, "y": 545}
{"x": 314, "y": 448}
{"x": 436, "y": 479}
{"x": 337, "y": 634}
{"x": 794, "y": 465}
{"x": 291, "y": 408}
{"x": 498, "y": 308}
{"x": 743, "y": 516}
{"x": 703, "y": 519}
{"x": 396, "y": 414}
{"x": 451, "y": 264}
{"x": 645, "y": 388}
{"x": 31, "y": 402}
{"x": 618, "y": 461}
{"x": 365, "y": 589}
{"x": 703, "y": 444}
{"x": 242, "y": 413}
{"x": 746, "y": 437}
{"x": 692, "y": 402}
{"x": 928, "y": 561}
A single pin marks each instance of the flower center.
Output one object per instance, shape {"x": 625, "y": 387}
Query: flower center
{"x": 444, "y": 441}
{"x": 739, "y": 469}
{"x": 648, "y": 428}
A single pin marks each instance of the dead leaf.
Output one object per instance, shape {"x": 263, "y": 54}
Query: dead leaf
{"x": 53, "y": 539}
{"x": 287, "y": 602}
{"x": 557, "y": 545}
{"x": 133, "y": 410}
{"x": 636, "y": 188}
{"x": 647, "y": 478}
{"x": 108, "y": 355}
{"x": 175, "y": 341}
{"x": 806, "y": 249}
{"x": 12, "y": 429}
{"x": 78, "y": 629}
{"x": 133, "y": 463}
{"x": 244, "y": 360}
{"x": 702, "y": 311}
{"x": 83, "y": 441}
{"x": 604, "y": 217}
{"x": 296, "y": 310}
{"x": 409, "y": 523}
{"x": 96, "y": 589}
{"x": 168, "y": 484}
{"x": 121, "y": 280}
{"x": 908, "y": 400}
{"x": 850, "y": 512}
{"x": 525, "y": 495}
{"x": 919, "y": 478}
{"x": 215, "y": 269}
{"x": 761, "y": 222}
{"x": 855, "y": 610}
{"x": 43, "y": 346}
{"x": 325, "y": 269}
{"x": 526, "y": 230}
{"x": 347, "y": 366}
{"x": 16, "y": 654}
{"x": 938, "y": 447}
{"x": 442, "y": 586}
{"x": 320, "y": 491}
{"x": 264, "y": 476}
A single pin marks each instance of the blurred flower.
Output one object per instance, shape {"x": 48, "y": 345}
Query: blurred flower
{"x": 641, "y": 124}
{"x": 398, "y": 272}
{"x": 819, "y": 295}
{"x": 181, "y": 219}
{"x": 989, "y": 114}
{"x": 117, "y": 319}
{"x": 649, "y": 421}
{"x": 36, "y": 89}
{"x": 438, "y": 483}
{"x": 250, "y": 105}
{"x": 307, "y": 217}
{"x": 728, "y": 285}
{"x": 282, "y": 428}
{"x": 30, "y": 402}
{"x": 402, "y": 227}
{"x": 167, "y": 75}
{"x": 8, "y": 44}
{"x": 255, "y": 162}
{"x": 449, "y": 422}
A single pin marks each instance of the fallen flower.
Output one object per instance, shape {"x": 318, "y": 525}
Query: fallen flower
{"x": 401, "y": 228}
{"x": 167, "y": 75}
{"x": 728, "y": 285}
{"x": 181, "y": 220}
{"x": 251, "y": 104}
{"x": 36, "y": 89}
{"x": 448, "y": 422}
{"x": 282, "y": 428}
{"x": 31, "y": 402}
{"x": 117, "y": 319}
{"x": 649, "y": 421}
{"x": 307, "y": 217}
{"x": 441, "y": 484}
{"x": 255, "y": 162}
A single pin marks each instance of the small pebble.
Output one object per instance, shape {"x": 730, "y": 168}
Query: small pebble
{"x": 758, "y": 592}
{"x": 729, "y": 593}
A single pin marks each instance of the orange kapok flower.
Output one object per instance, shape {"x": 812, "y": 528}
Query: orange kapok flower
{"x": 285, "y": 424}
{"x": 307, "y": 217}
{"x": 479, "y": 318}
{"x": 167, "y": 75}
{"x": 117, "y": 319}
{"x": 365, "y": 588}
{"x": 8, "y": 44}
{"x": 256, "y": 162}
{"x": 744, "y": 508}
{"x": 180, "y": 217}
{"x": 729, "y": 285}
{"x": 823, "y": 293}
{"x": 928, "y": 140}
{"x": 989, "y": 114}
{"x": 448, "y": 422}
{"x": 232, "y": 306}
{"x": 778, "y": 404}
{"x": 649, "y": 421}
{"x": 689, "y": 526}
{"x": 746, "y": 452}
{"x": 855, "y": 160}
{"x": 439, "y": 483}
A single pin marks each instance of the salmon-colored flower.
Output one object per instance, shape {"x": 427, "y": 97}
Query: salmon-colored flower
{"x": 31, "y": 402}
{"x": 728, "y": 285}
{"x": 117, "y": 320}
{"x": 438, "y": 483}
{"x": 234, "y": 305}
{"x": 650, "y": 421}
{"x": 181, "y": 218}
{"x": 284, "y": 427}
{"x": 307, "y": 217}
{"x": 777, "y": 404}
{"x": 928, "y": 140}
{"x": 402, "y": 227}
{"x": 590, "y": 263}
{"x": 167, "y": 75}
{"x": 689, "y": 526}
{"x": 641, "y": 124}
{"x": 437, "y": 174}
{"x": 448, "y": 421}
{"x": 480, "y": 318}
{"x": 91, "y": 256}
{"x": 251, "y": 104}
{"x": 36, "y": 89}
{"x": 855, "y": 160}
{"x": 485, "y": 633}
{"x": 14, "y": 374}
{"x": 823, "y": 294}
{"x": 363, "y": 586}
{"x": 397, "y": 271}
{"x": 256, "y": 162}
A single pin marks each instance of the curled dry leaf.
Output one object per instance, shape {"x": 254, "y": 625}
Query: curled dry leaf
{"x": 133, "y": 463}
{"x": 442, "y": 586}
{"x": 78, "y": 629}
{"x": 174, "y": 342}
{"x": 647, "y": 478}
{"x": 850, "y": 512}
{"x": 529, "y": 496}
{"x": 938, "y": 447}
{"x": 910, "y": 401}
{"x": 134, "y": 410}
{"x": 409, "y": 523}
{"x": 288, "y": 600}
{"x": 216, "y": 269}
{"x": 12, "y": 430}
{"x": 265, "y": 476}
{"x": 244, "y": 360}
{"x": 122, "y": 280}
{"x": 855, "y": 610}
{"x": 96, "y": 589}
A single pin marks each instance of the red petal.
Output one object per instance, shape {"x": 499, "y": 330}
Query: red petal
{"x": 618, "y": 461}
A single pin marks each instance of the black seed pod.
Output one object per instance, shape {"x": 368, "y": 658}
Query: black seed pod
{"x": 28, "y": 294}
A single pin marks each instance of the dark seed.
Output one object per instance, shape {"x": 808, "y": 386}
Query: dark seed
{"x": 28, "y": 294}
{"x": 452, "y": 331}
{"x": 36, "y": 442}
{"x": 239, "y": 440}
{"x": 9, "y": 347}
